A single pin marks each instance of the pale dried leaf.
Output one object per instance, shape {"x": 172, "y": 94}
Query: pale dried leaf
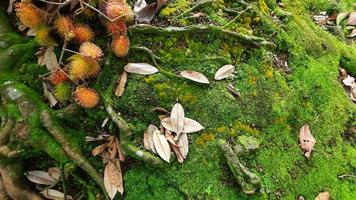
{"x": 162, "y": 110}
{"x": 103, "y": 124}
{"x": 54, "y": 194}
{"x": 353, "y": 33}
{"x": 144, "y": 12}
{"x": 161, "y": 117}
{"x": 140, "y": 68}
{"x": 170, "y": 138}
{"x": 161, "y": 145}
{"x": 166, "y": 123}
{"x": 119, "y": 150}
{"x": 122, "y": 83}
{"x": 52, "y": 100}
{"x": 306, "y": 140}
{"x": 55, "y": 172}
{"x": 41, "y": 177}
{"x": 50, "y": 59}
{"x": 99, "y": 149}
{"x": 225, "y": 72}
{"x": 191, "y": 126}
{"x": 180, "y": 157}
{"x": 340, "y": 17}
{"x": 150, "y": 130}
{"x": 110, "y": 188}
{"x": 183, "y": 145}
{"x": 323, "y": 196}
{"x": 231, "y": 89}
{"x": 21, "y": 27}
{"x": 145, "y": 141}
{"x": 177, "y": 118}
{"x": 31, "y": 32}
{"x": 348, "y": 81}
{"x": 194, "y": 76}
{"x": 352, "y": 19}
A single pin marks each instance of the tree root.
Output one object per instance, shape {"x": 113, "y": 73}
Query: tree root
{"x": 145, "y": 28}
{"x": 196, "y": 6}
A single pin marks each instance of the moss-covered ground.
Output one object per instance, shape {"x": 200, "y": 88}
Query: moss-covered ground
{"x": 273, "y": 107}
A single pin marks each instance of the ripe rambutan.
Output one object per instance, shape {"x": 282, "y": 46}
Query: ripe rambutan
{"x": 86, "y": 97}
{"x": 58, "y": 77}
{"x": 62, "y": 92}
{"x": 79, "y": 67}
{"x": 93, "y": 69}
{"x": 83, "y": 33}
{"x": 90, "y": 50}
{"x": 117, "y": 27}
{"x": 120, "y": 10}
{"x": 28, "y": 14}
{"x": 43, "y": 36}
{"x": 120, "y": 46}
{"x": 65, "y": 27}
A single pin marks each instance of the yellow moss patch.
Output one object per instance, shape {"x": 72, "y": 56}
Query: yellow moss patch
{"x": 221, "y": 129}
{"x": 204, "y": 138}
{"x": 244, "y": 128}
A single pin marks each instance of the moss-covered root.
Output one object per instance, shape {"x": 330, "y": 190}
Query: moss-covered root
{"x": 249, "y": 182}
{"x": 74, "y": 153}
{"x": 3, "y": 193}
{"x": 12, "y": 177}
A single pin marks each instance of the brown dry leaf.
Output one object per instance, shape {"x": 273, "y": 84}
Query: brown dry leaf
{"x": 41, "y": 177}
{"x": 162, "y": 110}
{"x": 231, "y": 89}
{"x": 161, "y": 117}
{"x": 140, "y": 68}
{"x": 54, "y": 194}
{"x": 50, "y": 59}
{"x": 119, "y": 150}
{"x": 145, "y": 141}
{"x": 52, "y": 100}
{"x": 180, "y": 157}
{"x": 353, "y": 33}
{"x": 348, "y": 81}
{"x": 144, "y": 12}
{"x": 170, "y": 138}
{"x": 31, "y": 32}
{"x": 113, "y": 178}
{"x": 194, "y": 76}
{"x": 177, "y": 118}
{"x": 122, "y": 83}
{"x": 150, "y": 130}
{"x": 161, "y": 145}
{"x": 352, "y": 19}
{"x": 166, "y": 123}
{"x": 183, "y": 145}
{"x": 306, "y": 140}
{"x": 99, "y": 149}
{"x": 224, "y": 72}
{"x": 55, "y": 172}
{"x": 323, "y": 196}
{"x": 191, "y": 126}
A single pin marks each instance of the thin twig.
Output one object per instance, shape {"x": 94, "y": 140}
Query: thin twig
{"x": 237, "y": 16}
{"x": 347, "y": 175}
{"x": 62, "y": 53}
{"x": 102, "y": 14}
{"x": 196, "y": 6}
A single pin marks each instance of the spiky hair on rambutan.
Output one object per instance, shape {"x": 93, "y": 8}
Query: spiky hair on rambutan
{"x": 29, "y": 15}
{"x": 58, "y": 77}
{"x": 65, "y": 27}
{"x": 86, "y": 97}
{"x": 43, "y": 36}
{"x": 62, "y": 92}
{"x": 120, "y": 46}
{"x": 116, "y": 28}
{"x": 81, "y": 67}
{"x": 90, "y": 50}
{"x": 118, "y": 10}
{"x": 83, "y": 33}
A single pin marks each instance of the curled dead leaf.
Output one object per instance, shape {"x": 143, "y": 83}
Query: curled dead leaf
{"x": 352, "y": 19}
{"x": 140, "y": 68}
{"x": 99, "y": 149}
{"x": 224, "y": 72}
{"x": 50, "y": 59}
{"x": 194, "y": 76}
{"x": 179, "y": 156}
{"x": 41, "y": 177}
{"x": 51, "y": 99}
{"x": 166, "y": 123}
{"x": 348, "y": 81}
{"x": 55, "y": 172}
{"x": 54, "y": 194}
{"x": 150, "y": 130}
{"x": 170, "y": 138}
{"x": 340, "y": 17}
{"x": 306, "y": 140}
{"x": 122, "y": 83}
{"x": 144, "y": 12}
{"x": 231, "y": 89}
{"x": 183, "y": 145}
{"x": 191, "y": 126}
{"x": 113, "y": 178}
{"x": 323, "y": 196}
{"x": 177, "y": 118}
{"x": 145, "y": 141}
{"x": 161, "y": 145}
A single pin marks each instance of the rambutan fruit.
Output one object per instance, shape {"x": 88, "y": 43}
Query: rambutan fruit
{"x": 65, "y": 27}
{"x": 117, "y": 27}
{"x": 86, "y": 97}
{"x": 58, "y": 77}
{"x": 120, "y": 46}
{"x": 119, "y": 10}
{"x": 83, "y": 33}
{"x": 62, "y": 92}
{"x": 93, "y": 69}
{"x": 43, "y": 36}
{"x": 90, "y": 50}
{"x": 28, "y": 14}
{"x": 79, "y": 67}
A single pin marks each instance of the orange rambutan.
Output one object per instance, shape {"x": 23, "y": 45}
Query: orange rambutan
{"x": 65, "y": 27}
{"x": 120, "y": 10}
{"x": 58, "y": 77}
{"x": 90, "y": 50}
{"x": 79, "y": 67}
{"x": 120, "y": 46}
{"x": 43, "y": 36}
{"x": 86, "y": 97}
{"x": 94, "y": 69}
{"x": 28, "y": 14}
{"x": 117, "y": 27}
{"x": 83, "y": 33}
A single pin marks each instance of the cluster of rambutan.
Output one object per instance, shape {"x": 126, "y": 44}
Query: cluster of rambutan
{"x": 120, "y": 13}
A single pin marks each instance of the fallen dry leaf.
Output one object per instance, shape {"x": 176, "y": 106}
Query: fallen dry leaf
{"x": 119, "y": 150}
{"x": 170, "y": 138}
{"x": 353, "y": 33}
{"x": 144, "y": 12}
{"x": 323, "y": 196}
{"x": 353, "y": 92}
{"x": 176, "y": 151}
{"x": 194, "y": 76}
{"x": 99, "y": 149}
{"x": 352, "y": 19}
{"x": 177, "y": 118}
{"x": 150, "y": 130}
{"x": 348, "y": 81}
{"x": 161, "y": 145}
{"x": 54, "y": 194}
{"x": 231, "y": 89}
{"x": 306, "y": 140}
{"x": 145, "y": 141}
{"x": 31, "y": 32}
{"x": 10, "y": 8}
{"x": 166, "y": 123}
{"x": 55, "y": 172}
{"x": 140, "y": 68}
{"x": 224, "y": 72}
{"x": 183, "y": 145}
{"x": 50, "y": 59}
{"x": 41, "y": 177}
{"x": 113, "y": 178}
{"x": 122, "y": 83}
{"x": 340, "y": 17}
{"x": 191, "y": 126}
{"x": 52, "y": 100}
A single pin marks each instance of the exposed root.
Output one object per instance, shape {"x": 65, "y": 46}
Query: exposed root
{"x": 3, "y": 193}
